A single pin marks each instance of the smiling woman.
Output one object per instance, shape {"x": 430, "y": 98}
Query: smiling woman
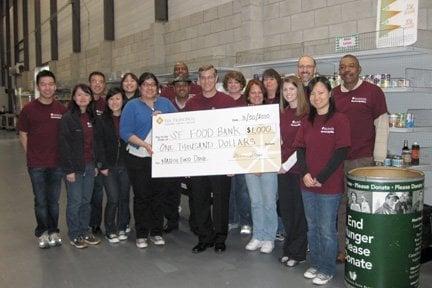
{"x": 78, "y": 146}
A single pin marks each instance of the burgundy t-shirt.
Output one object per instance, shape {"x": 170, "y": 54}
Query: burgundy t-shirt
{"x": 173, "y": 101}
{"x": 88, "y": 137}
{"x": 41, "y": 123}
{"x": 289, "y": 125}
{"x": 219, "y": 100}
{"x": 169, "y": 92}
{"x": 320, "y": 141}
{"x": 116, "y": 120}
{"x": 274, "y": 100}
{"x": 241, "y": 102}
{"x": 100, "y": 105}
{"x": 362, "y": 106}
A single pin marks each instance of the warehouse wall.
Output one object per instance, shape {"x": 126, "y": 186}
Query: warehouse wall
{"x": 222, "y": 32}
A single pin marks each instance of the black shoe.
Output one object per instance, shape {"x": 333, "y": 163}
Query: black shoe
{"x": 170, "y": 228}
{"x": 220, "y": 247}
{"x": 201, "y": 247}
{"x": 96, "y": 230}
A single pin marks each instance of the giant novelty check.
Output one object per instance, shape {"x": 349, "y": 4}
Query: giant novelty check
{"x": 216, "y": 142}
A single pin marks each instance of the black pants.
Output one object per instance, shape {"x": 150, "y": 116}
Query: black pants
{"x": 211, "y": 229}
{"x": 148, "y": 197}
{"x": 293, "y": 217}
{"x": 96, "y": 202}
{"x": 171, "y": 200}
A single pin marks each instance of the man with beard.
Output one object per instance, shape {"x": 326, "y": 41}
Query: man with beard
{"x": 365, "y": 106}
{"x": 174, "y": 186}
{"x": 306, "y": 70}
{"x": 180, "y": 70}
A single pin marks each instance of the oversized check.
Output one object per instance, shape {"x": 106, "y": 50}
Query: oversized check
{"x": 216, "y": 142}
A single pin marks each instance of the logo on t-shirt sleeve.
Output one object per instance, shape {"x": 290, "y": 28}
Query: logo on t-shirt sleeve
{"x": 55, "y": 116}
{"x": 99, "y": 112}
{"x": 89, "y": 125}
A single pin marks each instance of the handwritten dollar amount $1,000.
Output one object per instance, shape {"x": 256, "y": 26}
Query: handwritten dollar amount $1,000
{"x": 259, "y": 130}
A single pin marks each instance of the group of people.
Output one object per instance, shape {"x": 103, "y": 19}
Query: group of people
{"x": 107, "y": 138}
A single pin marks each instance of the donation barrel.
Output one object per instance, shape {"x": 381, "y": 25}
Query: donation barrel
{"x": 384, "y": 227}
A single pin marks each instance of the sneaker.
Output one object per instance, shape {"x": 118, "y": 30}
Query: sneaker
{"x": 246, "y": 230}
{"x": 267, "y": 247}
{"x": 310, "y": 273}
{"x": 112, "y": 238}
{"x": 293, "y": 262}
{"x": 322, "y": 279}
{"x": 44, "y": 241}
{"x": 78, "y": 243}
{"x": 141, "y": 243}
{"x": 232, "y": 226}
{"x": 90, "y": 239}
{"x": 254, "y": 244}
{"x": 128, "y": 229}
{"x": 55, "y": 239}
{"x": 122, "y": 236}
{"x": 284, "y": 259}
{"x": 280, "y": 236}
{"x": 157, "y": 240}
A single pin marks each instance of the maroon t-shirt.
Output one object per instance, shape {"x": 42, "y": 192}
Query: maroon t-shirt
{"x": 116, "y": 120}
{"x": 41, "y": 123}
{"x": 100, "y": 105}
{"x": 219, "y": 100}
{"x": 88, "y": 137}
{"x": 169, "y": 92}
{"x": 289, "y": 125}
{"x": 362, "y": 106}
{"x": 320, "y": 141}
{"x": 173, "y": 101}
{"x": 241, "y": 102}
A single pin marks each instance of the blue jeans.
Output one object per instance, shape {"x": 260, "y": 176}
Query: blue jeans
{"x": 46, "y": 183}
{"x": 263, "y": 194}
{"x": 117, "y": 189}
{"x": 239, "y": 202}
{"x": 79, "y": 195}
{"x": 321, "y": 213}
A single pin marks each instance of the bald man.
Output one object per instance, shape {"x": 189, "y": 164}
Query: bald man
{"x": 365, "y": 106}
{"x": 180, "y": 70}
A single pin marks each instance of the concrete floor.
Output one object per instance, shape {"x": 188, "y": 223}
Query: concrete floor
{"x": 23, "y": 264}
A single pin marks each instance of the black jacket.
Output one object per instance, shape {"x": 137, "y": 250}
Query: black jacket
{"x": 113, "y": 148}
{"x": 71, "y": 143}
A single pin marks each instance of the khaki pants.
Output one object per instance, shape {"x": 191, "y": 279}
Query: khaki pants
{"x": 348, "y": 166}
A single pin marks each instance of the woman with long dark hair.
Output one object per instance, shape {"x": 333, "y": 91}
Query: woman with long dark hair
{"x": 294, "y": 108}
{"x": 78, "y": 146}
{"x": 322, "y": 144}
{"x": 112, "y": 167}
